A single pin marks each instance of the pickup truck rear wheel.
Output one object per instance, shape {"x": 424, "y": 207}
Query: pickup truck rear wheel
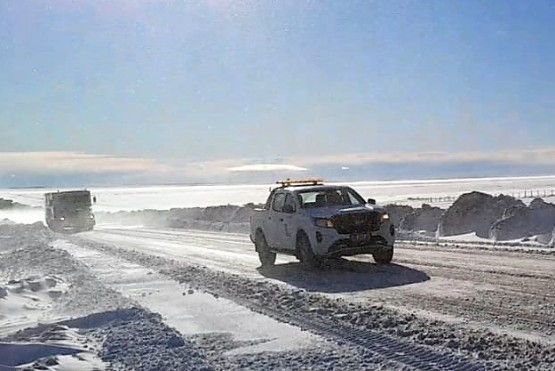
{"x": 305, "y": 253}
{"x": 383, "y": 257}
{"x": 266, "y": 256}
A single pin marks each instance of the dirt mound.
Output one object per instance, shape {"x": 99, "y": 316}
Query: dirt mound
{"x": 227, "y": 218}
{"x": 422, "y": 219}
{"x": 7, "y": 221}
{"x": 472, "y": 212}
{"x": 521, "y": 221}
{"x": 475, "y": 212}
{"x": 6, "y": 204}
{"x": 221, "y": 218}
{"x": 398, "y": 212}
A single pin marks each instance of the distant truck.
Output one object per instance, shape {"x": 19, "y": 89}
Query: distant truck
{"x": 314, "y": 221}
{"x": 69, "y": 211}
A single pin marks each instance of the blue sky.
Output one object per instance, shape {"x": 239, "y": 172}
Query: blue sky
{"x": 150, "y": 91}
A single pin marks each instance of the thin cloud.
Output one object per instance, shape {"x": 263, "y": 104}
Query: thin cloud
{"x": 221, "y": 168}
{"x": 541, "y": 156}
{"x": 145, "y": 170}
{"x": 266, "y": 168}
{"x": 75, "y": 163}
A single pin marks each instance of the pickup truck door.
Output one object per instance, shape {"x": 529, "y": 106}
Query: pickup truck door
{"x": 288, "y": 223}
{"x": 273, "y": 224}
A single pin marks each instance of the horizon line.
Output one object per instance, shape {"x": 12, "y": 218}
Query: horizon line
{"x": 207, "y": 184}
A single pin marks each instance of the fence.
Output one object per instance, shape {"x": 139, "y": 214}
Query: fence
{"x": 523, "y": 194}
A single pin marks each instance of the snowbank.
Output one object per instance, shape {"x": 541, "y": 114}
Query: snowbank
{"x": 121, "y": 339}
{"x": 14, "y": 236}
{"x": 26, "y": 302}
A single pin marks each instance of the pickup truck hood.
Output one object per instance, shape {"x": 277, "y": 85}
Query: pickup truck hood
{"x": 329, "y": 211}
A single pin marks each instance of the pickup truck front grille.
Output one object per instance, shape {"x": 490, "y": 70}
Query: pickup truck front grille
{"x": 357, "y": 222}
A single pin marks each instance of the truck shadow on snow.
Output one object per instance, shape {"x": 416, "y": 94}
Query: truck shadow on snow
{"x": 344, "y": 275}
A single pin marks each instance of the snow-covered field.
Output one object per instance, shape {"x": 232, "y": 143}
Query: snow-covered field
{"x": 158, "y": 298}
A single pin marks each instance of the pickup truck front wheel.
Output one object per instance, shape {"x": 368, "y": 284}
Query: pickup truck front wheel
{"x": 305, "y": 253}
{"x": 266, "y": 256}
{"x": 383, "y": 257}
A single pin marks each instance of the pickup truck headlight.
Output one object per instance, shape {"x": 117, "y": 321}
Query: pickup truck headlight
{"x": 385, "y": 218}
{"x": 323, "y": 222}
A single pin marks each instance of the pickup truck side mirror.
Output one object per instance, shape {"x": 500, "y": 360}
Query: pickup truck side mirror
{"x": 371, "y": 201}
{"x": 288, "y": 208}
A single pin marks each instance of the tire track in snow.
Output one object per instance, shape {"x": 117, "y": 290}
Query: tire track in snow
{"x": 400, "y": 350}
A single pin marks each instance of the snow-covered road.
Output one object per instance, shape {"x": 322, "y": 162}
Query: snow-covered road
{"x": 503, "y": 291}
{"x": 189, "y": 311}
{"x": 181, "y": 299}
{"x": 445, "y": 298}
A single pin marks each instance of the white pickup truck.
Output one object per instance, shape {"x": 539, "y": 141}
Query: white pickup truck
{"x": 314, "y": 221}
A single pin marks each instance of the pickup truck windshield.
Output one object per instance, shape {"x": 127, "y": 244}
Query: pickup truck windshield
{"x": 330, "y": 197}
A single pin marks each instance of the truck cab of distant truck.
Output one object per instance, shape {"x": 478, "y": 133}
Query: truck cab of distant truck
{"x": 314, "y": 221}
{"x": 69, "y": 211}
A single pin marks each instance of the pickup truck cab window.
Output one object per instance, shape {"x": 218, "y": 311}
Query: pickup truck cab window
{"x": 279, "y": 201}
{"x": 343, "y": 196}
{"x": 289, "y": 207}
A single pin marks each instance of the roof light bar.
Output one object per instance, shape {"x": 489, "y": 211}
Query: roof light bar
{"x": 300, "y": 182}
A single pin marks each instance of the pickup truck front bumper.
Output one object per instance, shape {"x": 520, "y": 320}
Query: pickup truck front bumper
{"x": 327, "y": 242}
{"x": 346, "y": 247}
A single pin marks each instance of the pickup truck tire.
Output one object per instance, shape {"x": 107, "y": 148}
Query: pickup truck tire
{"x": 383, "y": 257}
{"x": 266, "y": 256}
{"x": 305, "y": 253}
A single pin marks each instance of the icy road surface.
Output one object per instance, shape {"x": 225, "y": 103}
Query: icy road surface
{"x": 163, "y": 298}
{"x": 503, "y": 291}
{"x": 189, "y": 311}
